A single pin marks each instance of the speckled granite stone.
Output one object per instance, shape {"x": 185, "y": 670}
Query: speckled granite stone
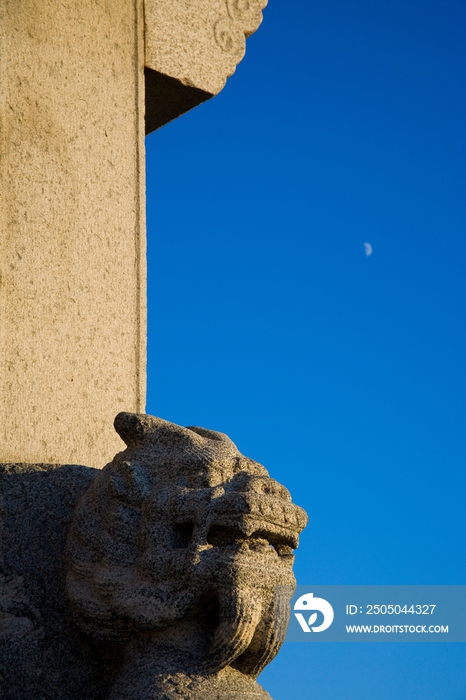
{"x": 165, "y": 575}
{"x": 43, "y": 655}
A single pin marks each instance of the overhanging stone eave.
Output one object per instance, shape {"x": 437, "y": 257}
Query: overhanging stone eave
{"x": 191, "y": 49}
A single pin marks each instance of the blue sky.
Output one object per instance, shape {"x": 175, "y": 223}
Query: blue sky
{"x": 342, "y": 373}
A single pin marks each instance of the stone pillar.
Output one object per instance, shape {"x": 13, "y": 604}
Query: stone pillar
{"x": 76, "y": 77}
{"x": 72, "y": 227}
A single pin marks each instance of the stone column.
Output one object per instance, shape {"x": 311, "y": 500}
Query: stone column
{"x": 76, "y": 77}
{"x": 72, "y": 227}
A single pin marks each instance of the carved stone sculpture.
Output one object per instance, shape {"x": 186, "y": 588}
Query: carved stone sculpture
{"x": 174, "y": 582}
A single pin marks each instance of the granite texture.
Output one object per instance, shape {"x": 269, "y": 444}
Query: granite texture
{"x": 82, "y": 81}
{"x": 72, "y": 227}
{"x": 165, "y": 575}
{"x": 199, "y": 43}
{"x": 42, "y": 653}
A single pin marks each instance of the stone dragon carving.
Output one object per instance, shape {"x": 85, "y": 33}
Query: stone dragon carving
{"x": 181, "y": 551}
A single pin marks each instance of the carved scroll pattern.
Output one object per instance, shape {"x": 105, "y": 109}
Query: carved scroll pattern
{"x": 243, "y": 18}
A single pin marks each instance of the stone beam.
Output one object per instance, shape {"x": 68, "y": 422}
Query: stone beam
{"x": 191, "y": 48}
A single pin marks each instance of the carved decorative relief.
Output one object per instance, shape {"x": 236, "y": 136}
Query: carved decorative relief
{"x": 229, "y": 37}
{"x": 165, "y": 576}
{"x": 199, "y": 43}
{"x": 247, "y": 13}
{"x": 183, "y": 544}
{"x": 244, "y": 17}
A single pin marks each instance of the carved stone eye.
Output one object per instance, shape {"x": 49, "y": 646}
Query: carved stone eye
{"x": 221, "y": 536}
{"x": 182, "y": 535}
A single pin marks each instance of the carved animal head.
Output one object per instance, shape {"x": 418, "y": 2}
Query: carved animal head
{"x": 182, "y": 529}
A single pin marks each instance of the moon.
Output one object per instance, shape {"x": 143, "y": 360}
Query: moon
{"x": 368, "y": 248}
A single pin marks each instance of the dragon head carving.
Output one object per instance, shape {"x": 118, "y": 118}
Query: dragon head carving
{"x": 183, "y": 539}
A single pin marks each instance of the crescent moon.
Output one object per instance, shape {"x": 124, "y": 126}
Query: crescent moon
{"x": 368, "y": 248}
